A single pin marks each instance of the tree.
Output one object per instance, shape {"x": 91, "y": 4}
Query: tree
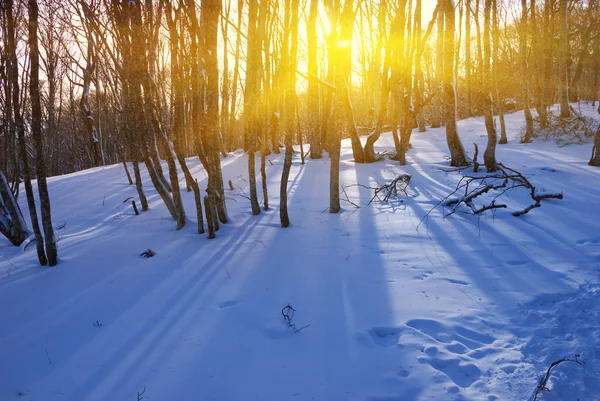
{"x": 525, "y": 73}
{"x": 13, "y": 78}
{"x": 36, "y": 133}
{"x": 489, "y": 157}
{"x": 12, "y": 224}
{"x": 289, "y": 72}
{"x": 313, "y": 84}
{"x": 251, "y": 100}
{"x": 457, "y": 152}
{"x": 563, "y": 55}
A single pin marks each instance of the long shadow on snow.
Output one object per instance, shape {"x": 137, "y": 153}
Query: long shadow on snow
{"x": 174, "y": 311}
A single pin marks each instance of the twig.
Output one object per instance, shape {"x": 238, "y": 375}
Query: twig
{"x": 288, "y": 314}
{"x": 544, "y": 380}
{"x": 49, "y": 360}
{"x": 139, "y": 395}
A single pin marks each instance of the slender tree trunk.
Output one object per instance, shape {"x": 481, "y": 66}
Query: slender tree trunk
{"x": 36, "y": 133}
{"x": 489, "y": 156}
{"x": 313, "y": 85}
{"x": 127, "y": 172}
{"x": 457, "y": 152}
{"x": 290, "y": 104}
{"x": 436, "y": 118}
{"x": 251, "y": 100}
{"x": 236, "y": 72}
{"x": 525, "y": 74}
{"x": 468, "y": 67}
{"x": 225, "y": 87}
{"x": 138, "y": 185}
{"x": 563, "y": 59}
{"x": 211, "y": 12}
{"x": 499, "y": 102}
{"x": 595, "y": 159}
{"x": 13, "y": 74}
{"x": 537, "y": 56}
{"x": 12, "y": 224}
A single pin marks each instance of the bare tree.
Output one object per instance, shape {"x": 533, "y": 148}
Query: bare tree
{"x": 36, "y": 132}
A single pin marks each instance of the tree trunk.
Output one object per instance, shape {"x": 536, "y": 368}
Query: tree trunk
{"x": 436, "y": 117}
{"x": 525, "y": 74}
{"x": 563, "y": 55}
{"x": 316, "y": 151}
{"x": 13, "y": 76}
{"x": 36, "y": 133}
{"x": 468, "y": 67}
{"x": 289, "y": 70}
{"x": 595, "y": 159}
{"x": 457, "y": 152}
{"x": 211, "y": 12}
{"x": 489, "y": 156}
{"x": 251, "y": 100}
{"x": 538, "y": 56}
{"x": 12, "y": 224}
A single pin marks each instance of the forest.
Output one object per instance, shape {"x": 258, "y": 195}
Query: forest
{"x": 301, "y": 136}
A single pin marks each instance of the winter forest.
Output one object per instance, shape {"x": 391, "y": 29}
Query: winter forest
{"x": 279, "y": 200}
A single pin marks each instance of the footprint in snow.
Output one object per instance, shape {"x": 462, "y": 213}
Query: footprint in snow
{"x": 461, "y": 374}
{"x": 228, "y": 304}
{"x": 454, "y": 350}
{"x": 385, "y": 336}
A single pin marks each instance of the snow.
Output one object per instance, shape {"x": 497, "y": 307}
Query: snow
{"x": 399, "y": 307}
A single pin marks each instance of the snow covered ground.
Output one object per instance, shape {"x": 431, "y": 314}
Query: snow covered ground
{"x": 456, "y": 308}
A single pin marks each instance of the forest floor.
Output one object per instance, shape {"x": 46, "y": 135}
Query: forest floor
{"x": 397, "y": 306}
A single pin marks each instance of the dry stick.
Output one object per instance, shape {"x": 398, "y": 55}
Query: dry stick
{"x": 139, "y": 395}
{"x": 544, "y": 380}
{"x": 135, "y": 209}
{"x": 475, "y": 163}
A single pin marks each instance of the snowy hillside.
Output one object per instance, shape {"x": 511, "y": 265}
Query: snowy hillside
{"x": 398, "y": 307}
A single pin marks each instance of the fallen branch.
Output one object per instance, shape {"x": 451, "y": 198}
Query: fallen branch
{"x": 385, "y": 192}
{"x": 288, "y": 314}
{"x": 544, "y": 380}
{"x": 503, "y": 180}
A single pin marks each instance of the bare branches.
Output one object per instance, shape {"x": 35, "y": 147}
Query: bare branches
{"x": 383, "y": 193}
{"x": 544, "y": 380}
{"x": 288, "y": 314}
{"x": 502, "y": 181}
{"x": 139, "y": 395}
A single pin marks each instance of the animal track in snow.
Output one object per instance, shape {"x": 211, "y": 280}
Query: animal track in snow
{"x": 462, "y": 374}
{"x": 228, "y": 304}
{"x": 452, "y": 350}
{"x": 454, "y": 281}
{"x": 385, "y": 336}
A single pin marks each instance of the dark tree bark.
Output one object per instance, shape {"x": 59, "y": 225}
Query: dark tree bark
{"x": 537, "y": 57}
{"x": 12, "y": 224}
{"x": 563, "y": 57}
{"x": 211, "y": 12}
{"x": 457, "y": 152}
{"x": 436, "y": 118}
{"x": 251, "y": 101}
{"x": 13, "y": 76}
{"x": 313, "y": 85}
{"x": 489, "y": 156}
{"x": 36, "y": 133}
{"x": 525, "y": 73}
{"x": 290, "y": 28}
{"x": 468, "y": 67}
{"x": 499, "y": 104}
{"x": 84, "y": 103}
{"x": 595, "y": 159}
